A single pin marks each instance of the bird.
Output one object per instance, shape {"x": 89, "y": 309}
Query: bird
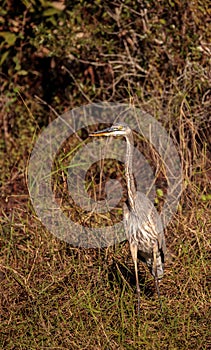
{"x": 142, "y": 222}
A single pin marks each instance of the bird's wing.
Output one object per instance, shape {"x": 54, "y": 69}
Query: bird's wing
{"x": 150, "y": 218}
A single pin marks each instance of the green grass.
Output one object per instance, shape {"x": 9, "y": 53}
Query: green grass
{"x": 58, "y": 297}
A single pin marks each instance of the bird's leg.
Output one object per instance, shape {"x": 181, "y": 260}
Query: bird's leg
{"x": 154, "y": 267}
{"x": 134, "y": 253}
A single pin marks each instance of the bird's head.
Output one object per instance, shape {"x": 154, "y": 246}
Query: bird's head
{"x": 117, "y": 129}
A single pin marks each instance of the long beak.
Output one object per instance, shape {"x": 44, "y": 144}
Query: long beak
{"x": 104, "y": 132}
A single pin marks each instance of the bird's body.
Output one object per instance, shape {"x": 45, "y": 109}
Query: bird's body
{"x": 144, "y": 229}
{"x": 142, "y": 223}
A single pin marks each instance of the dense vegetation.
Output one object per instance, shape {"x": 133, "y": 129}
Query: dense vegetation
{"x": 59, "y": 55}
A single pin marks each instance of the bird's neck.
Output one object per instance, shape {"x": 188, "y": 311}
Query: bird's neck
{"x": 129, "y": 171}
